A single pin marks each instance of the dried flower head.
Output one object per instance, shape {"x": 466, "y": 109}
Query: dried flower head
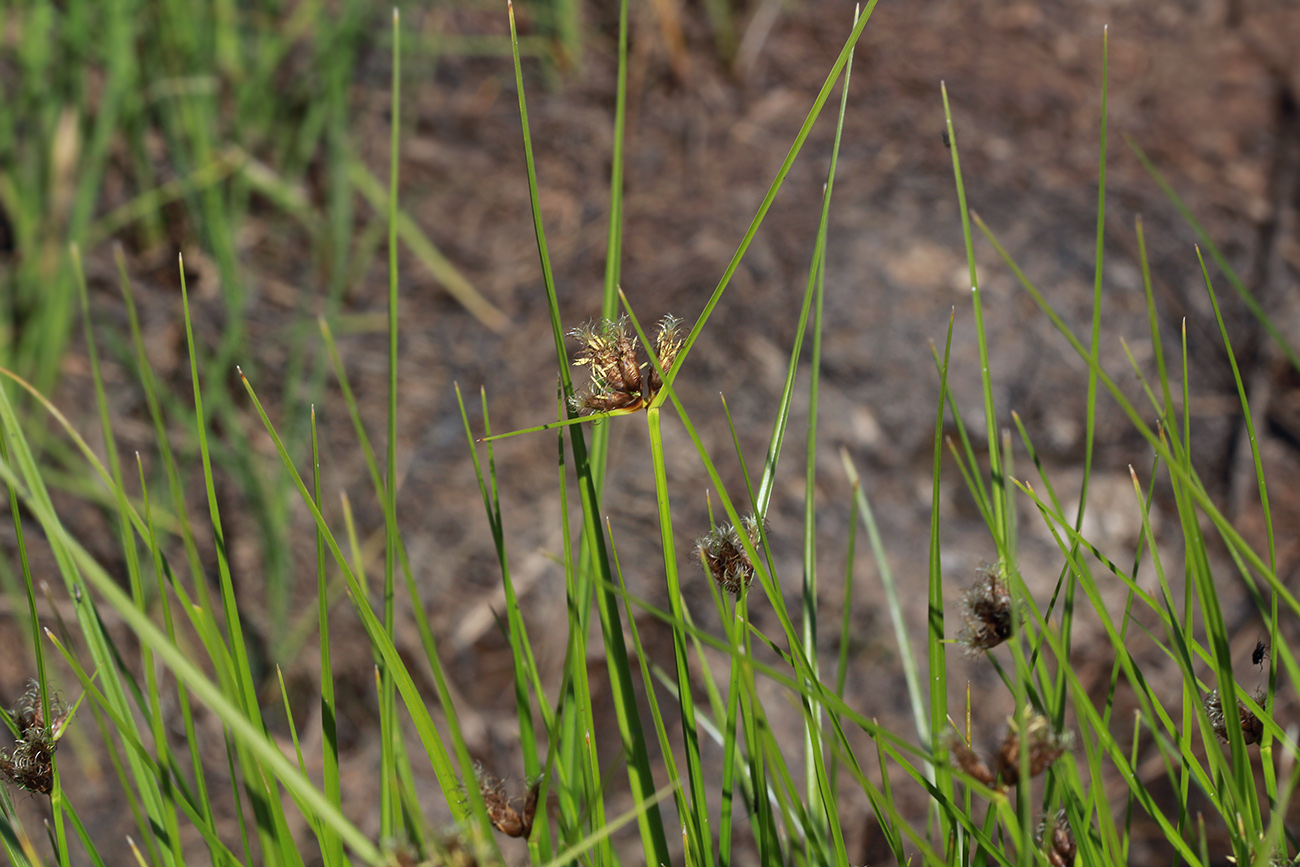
{"x": 1059, "y": 843}
{"x": 505, "y": 818}
{"x": 723, "y": 556}
{"x": 29, "y": 763}
{"x": 1252, "y": 730}
{"x": 968, "y": 761}
{"x": 619, "y": 381}
{"x": 668, "y": 342}
{"x": 1045, "y": 747}
{"x": 987, "y": 604}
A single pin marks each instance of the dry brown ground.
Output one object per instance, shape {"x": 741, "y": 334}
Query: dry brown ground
{"x": 1209, "y": 89}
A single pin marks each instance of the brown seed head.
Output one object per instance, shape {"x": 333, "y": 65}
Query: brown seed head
{"x": 987, "y": 604}
{"x": 505, "y": 818}
{"x": 668, "y": 342}
{"x": 1252, "y": 729}
{"x": 609, "y": 349}
{"x": 1045, "y": 747}
{"x": 29, "y": 763}
{"x": 619, "y": 380}
{"x": 723, "y": 555}
{"x": 1059, "y": 843}
{"x": 968, "y": 761}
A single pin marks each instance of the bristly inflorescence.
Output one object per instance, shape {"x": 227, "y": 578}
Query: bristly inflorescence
{"x": 29, "y": 763}
{"x": 1058, "y": 841}
{"x": 620, "y": 381}
{"x": 505, "y": 818}
{"x": 1252, "y": 730}
{"x": 1045, "y": 745}
{"x": 987, "y": 604}
{"x": 722, "y": 553}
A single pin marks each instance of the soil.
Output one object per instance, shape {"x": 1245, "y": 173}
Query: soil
{"x": 1207, "y": 89}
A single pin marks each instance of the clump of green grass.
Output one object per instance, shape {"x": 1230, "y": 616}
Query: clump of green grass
{"x": 1042, "y": 797}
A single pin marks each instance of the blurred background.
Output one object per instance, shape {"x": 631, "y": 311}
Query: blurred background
{"x": 253, "y": 138}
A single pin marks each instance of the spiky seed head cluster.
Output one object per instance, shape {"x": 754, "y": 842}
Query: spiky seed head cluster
{"x": 987, "y": 605}
{"x": 619, "y": 379}
{"x": 1045, "y": 746}
{"x": 505, "y": 818}
{"x": 1252, "y": 730}
{"x": 1059, "y": 841}
{"x": 29, "y": 763}
{"x": 722, "y": 553}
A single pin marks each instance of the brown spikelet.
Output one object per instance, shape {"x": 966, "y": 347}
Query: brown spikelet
{"x": 987, "y": 605}
{"x": 29, "y": 763}
{"x": 505, "y": 818}
{"x": 619, "y": 381}
{"x": 1252, "y": 730}
{"x": 723, "y": 556}
{"x": 1058, "y": 842}
{"x": 609, "y": 349}
{"x": 1045, "y": 747}
{"x": 668, "y": 342}
{"x": 968, "y": 761}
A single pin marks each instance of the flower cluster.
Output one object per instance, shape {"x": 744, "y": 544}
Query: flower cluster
{"x": 1045, "y": 746}
{"x": 1058, "y": 841}
{"x": 620, "y": 381}
{"x": 722, "y": 553}
{"x": 29, "y": 763}
{"x": 988, "y": 611}
{"x": 1252, "y": 730}
{"x": 505, "y": 818}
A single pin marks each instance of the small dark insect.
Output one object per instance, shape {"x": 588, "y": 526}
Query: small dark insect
{"x": 1260, "y": 653}
{"x": 947, "y": 142}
